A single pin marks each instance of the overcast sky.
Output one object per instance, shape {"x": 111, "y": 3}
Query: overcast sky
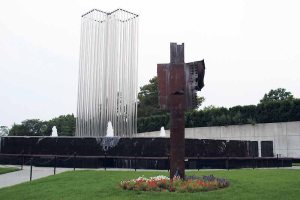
{"x": 249, "y": 47}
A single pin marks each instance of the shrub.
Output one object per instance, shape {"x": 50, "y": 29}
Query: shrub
{"x": 268, "y": 112}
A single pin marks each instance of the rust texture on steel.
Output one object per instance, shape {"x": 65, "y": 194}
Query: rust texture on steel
{"x": 178, "y": 83}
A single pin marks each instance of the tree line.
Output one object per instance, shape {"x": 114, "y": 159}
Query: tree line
{"x": 277, "y": 105}
{"x": 65, "y": 125}
{"x": 268, "y": 112}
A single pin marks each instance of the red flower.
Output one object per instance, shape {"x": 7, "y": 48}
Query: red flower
{"x": 152, "y": 184}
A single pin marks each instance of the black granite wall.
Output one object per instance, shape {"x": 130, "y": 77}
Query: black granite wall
{"x": 130, "y": 153}
{"x": 266, "y": 148}
{"x": 145, "y": 147}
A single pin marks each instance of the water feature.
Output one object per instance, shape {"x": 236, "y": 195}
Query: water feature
{"x": 110, "y": 130}
{"x": 54, "y": 132}
{"x": 162, "y": 132}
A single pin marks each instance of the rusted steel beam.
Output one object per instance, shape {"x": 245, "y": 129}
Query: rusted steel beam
{"x": 177, "y": 144}
{"x": 177, "y": 85}
{"x": 172, "y": 89}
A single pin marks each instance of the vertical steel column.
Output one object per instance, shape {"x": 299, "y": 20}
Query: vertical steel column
{"x": 177, "y": 144}
{"x": 177, "y": 84}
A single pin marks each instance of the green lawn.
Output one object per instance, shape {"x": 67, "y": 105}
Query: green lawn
{"x": 4, "y": 170}
{"x": 245, "y": 184}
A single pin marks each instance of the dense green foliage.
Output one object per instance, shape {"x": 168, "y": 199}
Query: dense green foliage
{"x": 279, "y": 94}
{"x": 65, "y": 125}
{"x": 246, "y": 184}
{"x": 272, "y": 111}
{"x": 276, "y": 106}
{"x": 148, "y": 100}
{"x": 4, "y": 130}
{"x": 30, "y": 127}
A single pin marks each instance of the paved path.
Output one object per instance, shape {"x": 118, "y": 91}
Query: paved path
{"x": 22, "y": 176}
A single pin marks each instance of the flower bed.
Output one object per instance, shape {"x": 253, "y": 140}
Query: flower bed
{"x": 164, "y": 183}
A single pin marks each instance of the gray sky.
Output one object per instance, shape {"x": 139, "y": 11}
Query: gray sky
{"x": 249, "y": 48}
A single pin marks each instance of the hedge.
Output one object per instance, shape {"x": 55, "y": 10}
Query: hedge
{"x": 279, "y": 111}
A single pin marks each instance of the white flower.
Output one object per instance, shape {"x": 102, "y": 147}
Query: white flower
{"x": 159, "y": 178}
{"x": 142, "y": 178}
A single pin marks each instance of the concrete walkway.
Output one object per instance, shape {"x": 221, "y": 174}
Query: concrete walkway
{"x": 22, "y": 176}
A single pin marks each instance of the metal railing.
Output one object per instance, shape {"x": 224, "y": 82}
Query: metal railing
{"x": 32, "y": 160}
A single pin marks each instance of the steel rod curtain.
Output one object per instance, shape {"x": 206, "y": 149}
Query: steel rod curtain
{"x": 108, "y": 66}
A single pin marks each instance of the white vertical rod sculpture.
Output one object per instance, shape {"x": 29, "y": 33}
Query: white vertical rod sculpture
{"x": 108, "y": 66}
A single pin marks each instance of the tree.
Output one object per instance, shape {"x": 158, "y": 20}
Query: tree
{"x": 200, "y": 100}
{"x": 65, "y": 124}
{"x": 148, "y": 100}
{"x": 4, "y": 131}
{"x": 279, "y": 94}
{"x": 30, "y": 127}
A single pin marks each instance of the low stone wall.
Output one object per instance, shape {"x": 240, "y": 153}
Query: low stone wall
{"x": 146, "y": 153}
{"x": 139, "y": 153}
{"x": 285, "y": 135}
{"x": 115, "y": 146}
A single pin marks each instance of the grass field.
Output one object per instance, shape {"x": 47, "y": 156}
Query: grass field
{"x": 4, "y": 170}
{"x": 245, "y": 184}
